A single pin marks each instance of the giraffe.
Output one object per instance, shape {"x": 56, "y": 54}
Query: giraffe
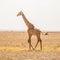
{"x": 31, "y": 31}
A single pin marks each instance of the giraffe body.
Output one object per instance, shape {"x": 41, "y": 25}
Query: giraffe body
{"x": 31, "y": 31}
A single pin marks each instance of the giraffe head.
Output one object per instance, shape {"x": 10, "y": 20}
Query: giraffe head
{"x": 20, "y": 13}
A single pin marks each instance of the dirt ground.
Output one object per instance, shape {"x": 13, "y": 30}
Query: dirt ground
{"x": 29, "y": 55}
{"x": 14, "y": 46}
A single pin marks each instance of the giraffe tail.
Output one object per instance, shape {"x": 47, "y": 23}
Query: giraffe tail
{"x": 46, "y": 33}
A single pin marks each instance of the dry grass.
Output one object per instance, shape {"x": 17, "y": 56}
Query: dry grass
{"x": 14, "y": 46}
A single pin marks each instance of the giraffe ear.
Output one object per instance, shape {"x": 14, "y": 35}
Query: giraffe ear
{"x": 21, "y": 10}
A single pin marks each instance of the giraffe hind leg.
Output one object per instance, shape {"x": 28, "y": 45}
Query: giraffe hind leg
{"x": 40, "y": 43}
{"x": 39, "y": 40}
{"x": 36, "y": 43}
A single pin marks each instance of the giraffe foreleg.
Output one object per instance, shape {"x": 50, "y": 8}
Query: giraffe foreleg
{"x": 29, "y": 41}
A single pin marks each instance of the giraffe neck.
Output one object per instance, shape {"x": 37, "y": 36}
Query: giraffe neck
{"x": 28, "y": 24}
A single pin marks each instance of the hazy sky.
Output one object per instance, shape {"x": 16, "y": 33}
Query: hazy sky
{"x": 44, "y": 14}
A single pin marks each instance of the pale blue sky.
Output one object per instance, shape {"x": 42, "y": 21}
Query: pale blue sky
{"x": 44, "y": 14}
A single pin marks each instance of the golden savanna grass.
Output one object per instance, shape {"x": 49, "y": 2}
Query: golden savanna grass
{"x": 14, "y": 46}
{"x": 16, "y": 41}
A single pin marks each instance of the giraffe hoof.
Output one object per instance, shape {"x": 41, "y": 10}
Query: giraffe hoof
{"x": 33, "y": 48}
